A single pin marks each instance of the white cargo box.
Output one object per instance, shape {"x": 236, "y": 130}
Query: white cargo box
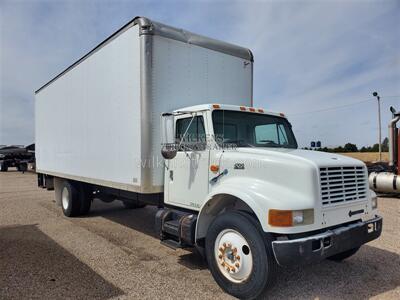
{"x": 99, "y": 120}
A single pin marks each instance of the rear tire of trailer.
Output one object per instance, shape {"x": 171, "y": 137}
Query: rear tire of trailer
{"x": 342, "y": 256}
{"x": 3, "y": 167}
{"x": 235, "y": 240}
{"x": 70, "y": 200}
{"x": 133, "y": 204}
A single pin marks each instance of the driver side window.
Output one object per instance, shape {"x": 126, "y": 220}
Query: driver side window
{"x": 190, "y": 133}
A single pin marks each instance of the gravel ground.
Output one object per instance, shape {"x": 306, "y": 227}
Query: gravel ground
{"x": 113, "y": 253}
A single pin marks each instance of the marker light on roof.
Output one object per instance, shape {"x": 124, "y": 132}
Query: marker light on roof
{"x": 216, "y": 106}
{"x": 260, "y": 110}
{"x": 252, "y": 109}
{"x": 282, "y": 114}
{"x": 242, "y": 108}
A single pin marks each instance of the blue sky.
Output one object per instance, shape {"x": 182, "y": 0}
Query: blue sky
{"x": 310, "y": 56}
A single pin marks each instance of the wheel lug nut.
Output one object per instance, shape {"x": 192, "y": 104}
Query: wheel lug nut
{"x": 233, "y": 269}
{"x": 237, "y": 265}
{"x": 228, "y": 245}
{"x": 220, "y": 256}
{"x": 224, "y": 244}
{"x": 221, "y": 249}
{"x": 238, "y": 257}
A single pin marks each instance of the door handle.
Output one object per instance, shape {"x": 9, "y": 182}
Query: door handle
{"x": 171, "y": 175}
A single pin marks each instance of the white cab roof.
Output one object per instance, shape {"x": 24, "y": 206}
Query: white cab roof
{"x": 216, "y": 106}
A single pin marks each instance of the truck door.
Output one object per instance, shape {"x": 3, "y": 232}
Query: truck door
{"x": 187, "y": 175}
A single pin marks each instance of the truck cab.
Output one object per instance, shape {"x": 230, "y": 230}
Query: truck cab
{"x": 234, "y": 175}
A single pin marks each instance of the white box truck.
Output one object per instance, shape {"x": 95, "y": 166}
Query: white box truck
{"x": 129, "y": 121}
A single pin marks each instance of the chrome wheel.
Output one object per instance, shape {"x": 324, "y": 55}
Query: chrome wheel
{"x": 233, "y": 255}
{"x": 65, "y": 198}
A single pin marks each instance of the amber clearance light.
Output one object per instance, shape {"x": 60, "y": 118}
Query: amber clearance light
{"x": 214, "y": 168}
{"x": 281, "y": 218}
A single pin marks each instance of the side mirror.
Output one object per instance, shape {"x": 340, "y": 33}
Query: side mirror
{"x": 168, "y": 147}
{"x": 168, "y": 151}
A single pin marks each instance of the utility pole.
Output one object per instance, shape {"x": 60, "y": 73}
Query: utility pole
{"x": 375, "y": 94}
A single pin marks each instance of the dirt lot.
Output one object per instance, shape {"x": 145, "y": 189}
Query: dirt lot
{"x": 113, "y": 253}
{"x": 368, "y": 156}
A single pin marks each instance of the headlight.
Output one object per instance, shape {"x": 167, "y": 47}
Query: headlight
{"x": 374, "y": 202}
{"x": 288, "y": 218}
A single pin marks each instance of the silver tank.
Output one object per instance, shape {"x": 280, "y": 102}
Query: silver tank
{"x": 384, "y": 182}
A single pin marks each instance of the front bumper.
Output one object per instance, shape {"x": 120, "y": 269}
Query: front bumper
{"x": 320, "y": 246}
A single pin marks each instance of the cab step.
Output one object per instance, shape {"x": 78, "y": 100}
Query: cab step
{"x": 175, "y": 228}
{"x": 171, "y": 244}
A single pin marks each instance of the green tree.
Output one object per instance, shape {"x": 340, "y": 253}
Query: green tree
{"x": 385, "y": 145}
{"x": 349, "y": 147}
{"x": 375, "y": 148}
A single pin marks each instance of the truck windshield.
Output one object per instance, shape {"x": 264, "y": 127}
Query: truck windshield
{"x": 246, "y": 129}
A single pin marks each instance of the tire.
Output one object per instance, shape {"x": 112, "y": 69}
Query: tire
{"x": 342, "y": 256}
{"x": 70, "y": 200}
{"x": 86, "y": 198}
{"x": 133, "y": 204}
{"x": 254, "y": 266}
{"x": 3, "y": 167}
{"x": 22, "y": 167}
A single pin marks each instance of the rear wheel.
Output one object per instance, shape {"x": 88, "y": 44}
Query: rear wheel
{"x": 239, "y": 259}
{"x": 342, "y": 256}
{"x": 70, "y": 200}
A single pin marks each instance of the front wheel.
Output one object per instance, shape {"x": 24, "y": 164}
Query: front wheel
{"x": 239, "y": 259}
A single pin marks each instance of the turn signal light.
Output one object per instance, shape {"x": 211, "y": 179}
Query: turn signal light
{"x": 280, "y": 218}
{"x": 214, "y": 168}
{"x": 286, "y": 218}
{"x": 216, "y": 106}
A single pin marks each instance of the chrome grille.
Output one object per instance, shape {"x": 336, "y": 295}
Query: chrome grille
{"x": 343, "y": 184}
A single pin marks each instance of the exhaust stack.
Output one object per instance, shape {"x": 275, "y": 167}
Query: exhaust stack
{"x": 394, "y": 141}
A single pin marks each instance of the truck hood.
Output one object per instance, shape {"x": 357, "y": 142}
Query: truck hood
{"x": 317, "y": 158}
{"x": 285, "y": 179}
